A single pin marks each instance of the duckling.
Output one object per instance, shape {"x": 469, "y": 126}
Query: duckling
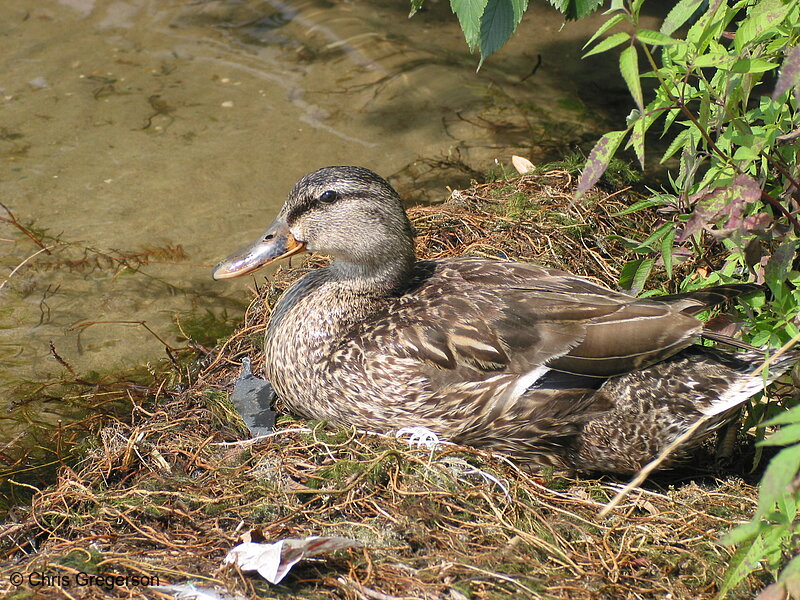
{"x": 551, "y": 368}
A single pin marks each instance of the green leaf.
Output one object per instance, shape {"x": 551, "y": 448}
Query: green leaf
{"x": 753, "y": 65}
{"x": 656, "y": 236}
{"x": 761, "y": 337}
{"x": 576, "y": 9}
{"x": 497, "y": 25}
{"x": 742, "y": 533}
{"x": 764, "y": 15}
{"x": 416, "y": 5}
{"x": 790, "y": 416}
{"x": 629, "y": 68}
{"x": 780, "y": 473}
{"x": 745, "y": 153}
{"x": 634, "y": 274}
{"x": 672, "y": 114}
{"x": 790, "y": 575}
{"x": 658, "y": 200}
{"x": 654, "y": 38}
{"x": 610, "y": 42}
{"x": 679, "y": 15}
{"x": 469, "y": 17}
{"x": 721, "y": 60}
{"x": 744, "y": 562}
{"x": 788, "y": 434}
{"x": 676, "y": 144}
{"x": 598, "y": 160}
{"x": 710, "y": 25}
{"x": 519, "y": 7}
{"x": 667, "y": 245}
{"x": 613, "y": 21}
{"x": 637, "y": 139}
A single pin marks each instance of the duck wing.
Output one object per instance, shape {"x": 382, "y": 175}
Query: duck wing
{"x": 465, "y": 316}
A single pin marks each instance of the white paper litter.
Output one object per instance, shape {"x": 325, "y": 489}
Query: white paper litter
{"x": 274, "y": 561}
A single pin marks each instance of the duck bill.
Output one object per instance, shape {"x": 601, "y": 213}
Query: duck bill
{"x": 277, "y": 242}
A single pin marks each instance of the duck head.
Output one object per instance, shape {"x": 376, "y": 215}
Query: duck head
{"x": 349, "y": 213}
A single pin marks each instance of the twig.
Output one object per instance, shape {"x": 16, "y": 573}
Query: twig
{"x": 13, "y": 221}
{"x": 19, "y": 266}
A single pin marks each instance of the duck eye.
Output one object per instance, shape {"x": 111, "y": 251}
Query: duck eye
{"x": 329, "y": 196}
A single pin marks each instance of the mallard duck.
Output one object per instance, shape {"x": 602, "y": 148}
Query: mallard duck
{"x": 549, "y": 367}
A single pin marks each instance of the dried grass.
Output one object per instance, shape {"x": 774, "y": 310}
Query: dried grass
{"x": 169, "y": 493}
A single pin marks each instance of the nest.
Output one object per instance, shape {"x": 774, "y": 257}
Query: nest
{"x": 162, "y": 498}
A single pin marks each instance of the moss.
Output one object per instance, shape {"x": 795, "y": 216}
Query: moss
{"x": 85, "y": 560}
{"x": 223, "y": 413}
{"x": 206, "y": 328}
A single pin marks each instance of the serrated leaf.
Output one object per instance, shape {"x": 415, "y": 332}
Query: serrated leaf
{"x": 753, "y": 65}
{"x": 742, "y": 533}
{"x": 679, "y": 15}
{"x": 656, "y": 236}
{"x": 764, "y": 15}
{"x": 790, "y": 577}
{"x": 519, "y": 6}
{"x": 788, "y": 434}
{"x": 676, "y": 144}
{"x": 641, "y": 205}
{"x": 720, "y": 60}
{"x": 416, "y": 5}
{"x": 672, "y": 114}
{"x": 634, "y": 274}
{"x": 709, "y": 25}
{"x": 613, "y": 21}
{"x": 598, "y": 160}
{"x": 761, "y": 337}
{"x": 744, "y": 562}
{"x": 576, "y": 9}
{"x": 499, "y": 21}
{"x": 610, "y": 42}
{"x": 655, "y": 38}
{"x": 497, "y": 25}
{"x": 790, "y": 416}
{"x": 469, "y": 17}
{"x": 637, "y": 140}
{"x": 780, "y": 473}
{"x": 629, "y": 68}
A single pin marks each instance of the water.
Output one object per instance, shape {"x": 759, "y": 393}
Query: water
{"x": 143, "y": 140}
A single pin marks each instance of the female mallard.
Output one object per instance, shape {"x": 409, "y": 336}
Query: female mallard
{"x": 549, "y": 367}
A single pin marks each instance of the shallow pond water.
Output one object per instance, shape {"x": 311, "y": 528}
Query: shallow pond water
{"x": 143, "y": 140}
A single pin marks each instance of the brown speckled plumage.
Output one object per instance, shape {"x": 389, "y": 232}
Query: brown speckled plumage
{"x": 547, "y": 366}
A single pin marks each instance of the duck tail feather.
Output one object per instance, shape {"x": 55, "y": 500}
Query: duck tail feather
{"x": 754, "y": 381}
{"x": 697, "y": 301}
{"x": 728, "y": 340}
